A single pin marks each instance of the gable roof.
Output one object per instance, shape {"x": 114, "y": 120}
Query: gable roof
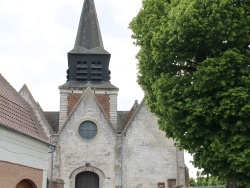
{"x": 17, "y": 115}
{"x": 88, "y": 91}
{"x": 53, "y": 120}
{"x": 123, "y": 117}
{"x": 36, "y": 108}
{"x": 71, "y": 84}
{"x": 132, "y": 114}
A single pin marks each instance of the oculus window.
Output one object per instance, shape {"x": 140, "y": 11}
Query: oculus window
{"x": 87, "y": 130}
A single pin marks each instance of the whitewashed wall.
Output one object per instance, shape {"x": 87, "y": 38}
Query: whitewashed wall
{"x": 19, "y": 149}
{"x": 148, "y": 157}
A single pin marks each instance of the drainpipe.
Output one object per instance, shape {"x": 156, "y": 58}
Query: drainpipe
{"x": 121, "y": 160}
{"x": 177, "y": 166}
{"x": 51, "y": 151}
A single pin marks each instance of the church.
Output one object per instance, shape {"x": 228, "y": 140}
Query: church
{"x": 92, "y": 145}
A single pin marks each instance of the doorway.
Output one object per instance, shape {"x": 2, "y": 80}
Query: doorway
{"x": 87, "y": 180}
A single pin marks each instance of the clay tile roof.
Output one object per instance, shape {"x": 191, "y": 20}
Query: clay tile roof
{"x": 16, "y": 114}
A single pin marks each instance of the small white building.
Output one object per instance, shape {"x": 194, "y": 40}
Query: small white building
{"x": 24, "y": 145}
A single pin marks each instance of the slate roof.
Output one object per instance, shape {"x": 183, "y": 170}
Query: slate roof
{"x": 17, "y": 115}
{"x": 89, "y": 39}
{"x": 121, "y": 117}
{"x": 93, "y": 85}
{"x": 53, "y": 120}
{"x": 124, "y": 117}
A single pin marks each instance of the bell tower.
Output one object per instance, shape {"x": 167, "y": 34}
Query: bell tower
{"x": 88, "y": 66}
{"x": 88, "y": 60}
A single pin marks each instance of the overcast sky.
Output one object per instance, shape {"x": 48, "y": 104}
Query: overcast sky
{"x": 35, "y": 37}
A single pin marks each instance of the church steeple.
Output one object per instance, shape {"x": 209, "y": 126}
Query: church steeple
{"x": 89, "y": 34}
{"x": 88, "y": 61}
{"x": 88, "y": 67}
{"x": 89, "y": 38}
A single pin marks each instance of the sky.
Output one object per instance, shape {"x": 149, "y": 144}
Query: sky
{"x": 35, "y": 37}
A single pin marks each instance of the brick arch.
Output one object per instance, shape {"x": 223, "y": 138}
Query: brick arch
{"x": 18, "y": 173}
{"x": 97, "y": 171}
{"x": 26, "y": 183}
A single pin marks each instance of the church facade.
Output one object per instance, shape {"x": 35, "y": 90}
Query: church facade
{"x": 98, "y": 146}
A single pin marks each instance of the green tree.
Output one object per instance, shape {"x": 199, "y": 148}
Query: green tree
{"x": 192, "y": 182}
{"x": 206, "y": 181}
{"x": 193, "y": 65}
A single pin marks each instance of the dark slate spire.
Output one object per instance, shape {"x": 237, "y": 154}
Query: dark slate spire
{"x": 89, "y": 34}
{"x": 88, "y": 61}
{"x": 89, "y": 39}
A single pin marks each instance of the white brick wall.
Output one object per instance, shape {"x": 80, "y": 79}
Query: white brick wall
{"x": 113, "y": 109}
{"x": 148, "y": 156}
{"x": 63, "y": 108}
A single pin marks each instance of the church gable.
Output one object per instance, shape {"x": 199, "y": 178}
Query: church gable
{"x": 91, "y": 147}
{"x": 148, "y": 156}
{"x": 87, "y": 106}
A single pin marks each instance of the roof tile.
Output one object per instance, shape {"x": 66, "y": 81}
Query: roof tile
{"x": 16, "y": 113}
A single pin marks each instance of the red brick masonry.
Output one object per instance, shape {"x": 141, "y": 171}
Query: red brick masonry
{"x": 103, "y": 100}
{"x": 12, "y": 174}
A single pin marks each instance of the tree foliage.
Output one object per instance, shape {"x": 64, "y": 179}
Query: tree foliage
{"x": 206, "y": 181}
{"x": 193, "y": 65}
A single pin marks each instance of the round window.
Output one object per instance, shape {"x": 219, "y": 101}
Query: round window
{"x": 88, "y": 130}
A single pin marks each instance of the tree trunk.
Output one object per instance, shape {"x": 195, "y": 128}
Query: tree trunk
{"x": 232, "y": 181}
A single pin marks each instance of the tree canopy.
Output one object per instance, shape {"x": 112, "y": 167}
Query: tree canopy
{"x": 193, "y": 66}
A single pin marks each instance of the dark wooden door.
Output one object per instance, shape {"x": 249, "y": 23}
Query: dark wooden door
{"x": 87, "y": 180}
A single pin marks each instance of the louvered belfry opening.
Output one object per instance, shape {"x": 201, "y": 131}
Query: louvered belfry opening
{"x": 81, "y": 70}
{"x": 96, "y": 71}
